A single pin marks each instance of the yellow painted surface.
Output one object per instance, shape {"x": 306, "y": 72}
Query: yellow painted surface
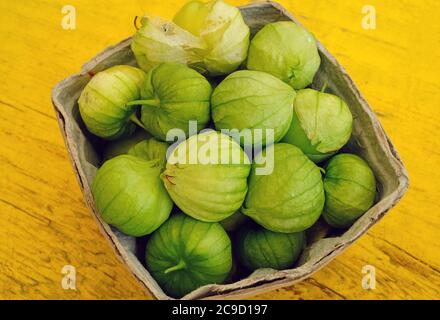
{"x": 45, "y": 225}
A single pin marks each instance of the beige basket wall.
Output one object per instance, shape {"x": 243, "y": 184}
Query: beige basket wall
{"x": 368, "y": 140}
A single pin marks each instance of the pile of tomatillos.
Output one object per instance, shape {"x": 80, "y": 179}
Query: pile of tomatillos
{"x": 207, "y": 198}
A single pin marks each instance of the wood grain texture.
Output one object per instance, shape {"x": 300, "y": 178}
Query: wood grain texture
{"x": 45, "y": 224}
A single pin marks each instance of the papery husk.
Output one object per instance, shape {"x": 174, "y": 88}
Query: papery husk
{"x": 159, "y": 41}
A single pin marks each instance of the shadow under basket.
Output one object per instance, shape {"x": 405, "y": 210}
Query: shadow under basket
{"x": 368, "y": 141}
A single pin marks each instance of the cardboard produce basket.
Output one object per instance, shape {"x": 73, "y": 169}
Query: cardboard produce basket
{"x": 368, "y": 141}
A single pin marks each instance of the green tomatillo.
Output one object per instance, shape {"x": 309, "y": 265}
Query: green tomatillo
{"x": 260, "y": 248}
{"x": 210, "y": 37}
{"x": 103, "y": 103}
{"x": 255, "y": 102}
{"x": 287, "y": 51}
{"x": 290, "y": 198}
{"x": 206, "y": 176}
{"x": 158, "y": 41}
{"x": 171, "y": 97}
{"x": 221, "y": 29}
{"x": 122, "y": 145}
{"x": 321, "y": 124}
{"x": 185, "y": 254}
{"x": 129, "y": 195}
{"x": 350, "y": 190}
{"x": 151, "y": 149}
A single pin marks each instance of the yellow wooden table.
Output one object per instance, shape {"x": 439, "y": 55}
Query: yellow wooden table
{"x": 45, "y": 225}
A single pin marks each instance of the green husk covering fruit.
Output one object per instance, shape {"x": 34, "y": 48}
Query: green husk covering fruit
{"x": 206, "y": 176}
{"x": 172, "y": 96}
{"x": 221, "y": 29}
{"x": 238, "y": 160}
{"x": 287, "y": 51}
{"x": 123, "y": 145}
{"x": 158, "y": 41}
{"x": 130, "y": 195}
{"x": 350, "y": 190}
{"x": 151, "y": 149}
{"x": 261, "y": 248}
{"x": 321, "y": 125}
{"x": 250, "y": 100}
{"x": 184, "y": 254}
{"x": 291, "y": 198}
{"x": 210, "y": 37}
{"x": 103, "y": 102}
